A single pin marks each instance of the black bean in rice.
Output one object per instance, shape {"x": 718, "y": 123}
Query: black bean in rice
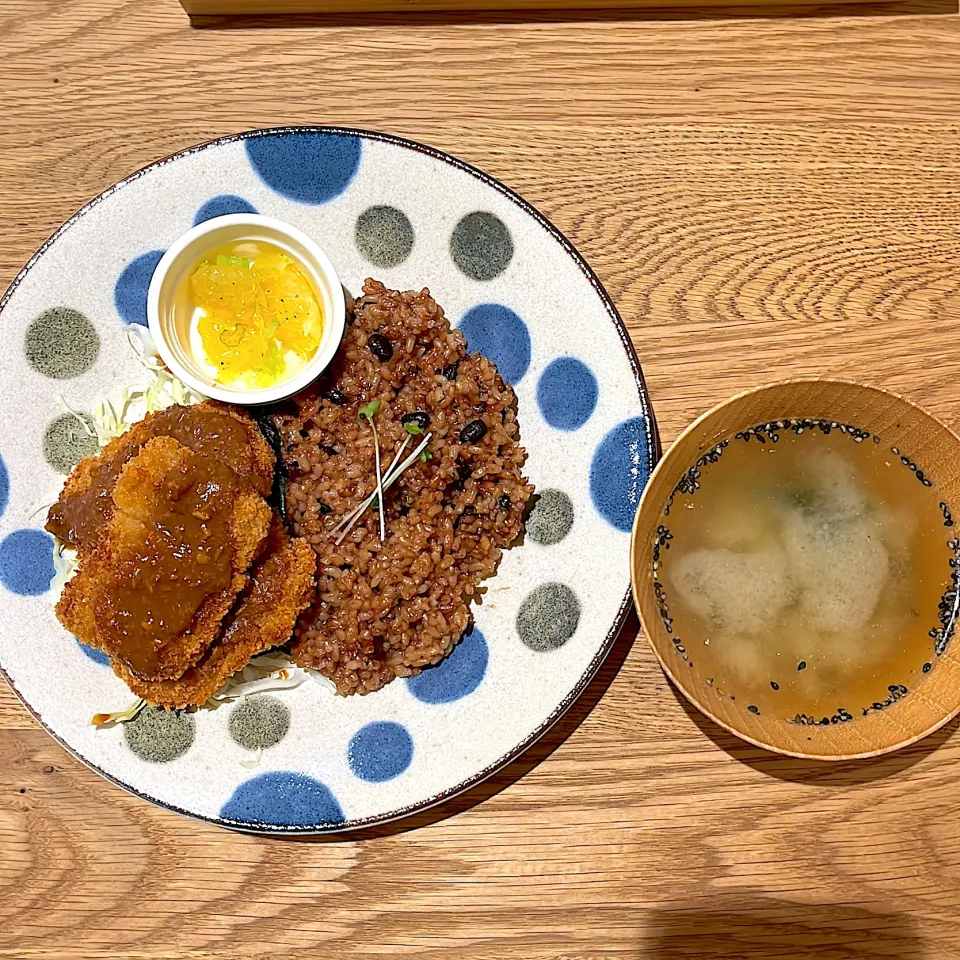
{"x": 386, "y": 610}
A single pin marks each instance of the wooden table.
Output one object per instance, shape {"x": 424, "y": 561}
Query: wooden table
{"x": 762, "y": 198}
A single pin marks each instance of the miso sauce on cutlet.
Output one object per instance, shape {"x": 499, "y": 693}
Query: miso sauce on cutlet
{"x": 78, "y": 517}
{"x": 183, "y": 557}
{"x": 806, "y": 575}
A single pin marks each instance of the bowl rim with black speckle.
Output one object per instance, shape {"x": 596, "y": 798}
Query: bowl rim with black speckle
{"x": 930, "y": 443}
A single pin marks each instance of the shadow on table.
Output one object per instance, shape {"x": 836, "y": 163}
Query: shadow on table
{"x": 517, "y": 768}
{"x": 841, "y": 773}
{"x": 445, "y": 17}
{"x": 753, "y": 927}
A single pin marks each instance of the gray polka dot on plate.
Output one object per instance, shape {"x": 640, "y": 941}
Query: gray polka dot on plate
{"x": 259, "y": 722}
{"x": 158, "y": 735}
{"x": 481, "y": 246}
{"x": 66, "y": 442}
{"x": 384, "y": 235}
{"x": 551, "y": 518}
{"x": 548, "y": 617}
{"x": 62, "y": 343}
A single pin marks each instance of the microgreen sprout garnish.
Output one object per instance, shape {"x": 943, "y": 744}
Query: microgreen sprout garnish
{"x": 413, "y": 429}
{"x": 425, "y": 456}
{"x": 392, "y": 474}
{"x": 368, "y": 411}
{"x": 118, "y": 716}
{"x": 358, "y": 510}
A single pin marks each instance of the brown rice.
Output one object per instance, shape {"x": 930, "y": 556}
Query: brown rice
{"x": 386, "y": 610}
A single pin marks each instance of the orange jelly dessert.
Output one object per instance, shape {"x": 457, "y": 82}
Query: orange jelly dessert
{"x": 258, "y": 320}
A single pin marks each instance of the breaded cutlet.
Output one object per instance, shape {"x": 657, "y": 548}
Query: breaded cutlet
{"x": 210, "y": 429}
{"x": 280, "y": 587}
{"x": 153, "y": 590}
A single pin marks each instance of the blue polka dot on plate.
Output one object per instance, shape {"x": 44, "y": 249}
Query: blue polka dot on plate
{"x": 26, "y": 562}
{"x": 4, "y": 486}
{"x": 567, "y": 393}
{"x": 619, "y": 472}
{"x": 456, "y": 676}
{"x": 283, "y": 799}
{"x": 501, "y": 335}
{"x": 130, "y": 292}
{"x": 380, "y": 751}
{"x": 97, "y": 656}
{"x": 305, "y": 167}
{"x": 221, "y": 206}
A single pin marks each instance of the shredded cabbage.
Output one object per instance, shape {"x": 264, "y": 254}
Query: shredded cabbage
{"x": 266, "y": 673}
{"x": 317, "y": 677}
{"x": 118, "y": 716}
{"x": 112, "y": 417}
{"x": 64, "y": 568}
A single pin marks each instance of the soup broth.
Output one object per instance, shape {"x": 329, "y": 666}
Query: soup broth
{"x": 807, "y": 571}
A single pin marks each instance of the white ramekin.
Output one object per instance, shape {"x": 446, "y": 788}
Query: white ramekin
{"x": 169, "y": 315}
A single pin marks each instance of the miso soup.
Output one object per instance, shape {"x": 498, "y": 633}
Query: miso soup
{"x": 806, "y": 568}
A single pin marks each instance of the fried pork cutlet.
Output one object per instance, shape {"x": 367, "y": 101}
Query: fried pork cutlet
{"x": 211, "y": 429}
{"x": 153, "y": 590}
{"x": 280, "y": 587}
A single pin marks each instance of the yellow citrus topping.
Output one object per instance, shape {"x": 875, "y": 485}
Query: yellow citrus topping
{"x": 260, "y": 320}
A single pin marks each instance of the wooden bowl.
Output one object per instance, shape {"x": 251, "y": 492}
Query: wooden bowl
{"x": 933, "y": 447}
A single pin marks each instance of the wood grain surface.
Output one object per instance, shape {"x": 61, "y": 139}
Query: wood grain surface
{"x": 763, "y": 197}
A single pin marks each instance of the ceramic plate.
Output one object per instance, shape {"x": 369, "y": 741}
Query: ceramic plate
{"x": 305, "y": 760}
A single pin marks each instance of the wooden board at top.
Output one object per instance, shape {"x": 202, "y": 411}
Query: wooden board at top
{"x": 227, "y": 8}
